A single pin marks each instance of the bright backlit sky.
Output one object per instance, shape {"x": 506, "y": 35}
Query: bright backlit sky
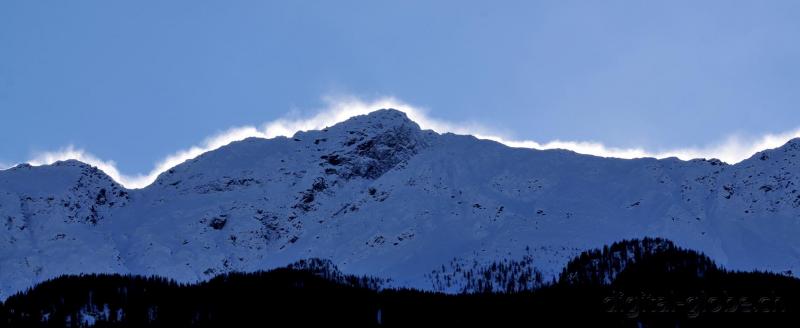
{"x": 136, "y": 82}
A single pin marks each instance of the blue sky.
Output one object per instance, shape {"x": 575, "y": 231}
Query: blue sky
{"x": 136, "y": 81}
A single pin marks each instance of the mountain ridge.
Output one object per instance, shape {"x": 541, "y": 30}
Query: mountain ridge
{"x": 380, "y": 196}
{"x": 390, "y": 114}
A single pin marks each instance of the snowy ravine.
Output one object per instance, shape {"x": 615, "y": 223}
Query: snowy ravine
{"x": 378, "y": 196}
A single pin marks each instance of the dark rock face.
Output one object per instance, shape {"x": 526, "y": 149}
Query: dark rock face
{"x": 370, "y": 158}
{"x": 385, "y": 151}
{"x": 218, "y": 223}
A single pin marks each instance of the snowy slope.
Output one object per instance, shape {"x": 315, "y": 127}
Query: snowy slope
{"x": 379, "y": 196}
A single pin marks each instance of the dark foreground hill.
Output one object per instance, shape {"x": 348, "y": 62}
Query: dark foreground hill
{"x": 650, "y": 282}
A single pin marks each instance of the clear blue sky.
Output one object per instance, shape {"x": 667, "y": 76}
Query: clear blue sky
{"x": 134, "y": 81}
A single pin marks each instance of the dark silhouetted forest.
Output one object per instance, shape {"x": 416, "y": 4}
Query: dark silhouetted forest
{"x": 648, "y": 282}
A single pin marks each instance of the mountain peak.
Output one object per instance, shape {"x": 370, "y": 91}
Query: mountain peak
{"x": 382, "y": 119}
{"x": 791, "y": 145}
{"x": 388, "y": 115}
{"x": 784, "y": 152}
{"x": 374, "y": 143}
{"x": 73, "y": 163}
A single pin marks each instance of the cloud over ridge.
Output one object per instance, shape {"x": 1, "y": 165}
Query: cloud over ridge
{"x": 731, "y": 150}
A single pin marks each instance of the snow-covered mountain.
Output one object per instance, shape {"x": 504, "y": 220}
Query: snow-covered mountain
{"x": 379, "y": 196}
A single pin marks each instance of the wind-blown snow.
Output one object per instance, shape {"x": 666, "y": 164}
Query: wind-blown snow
{"x": 732, "y": 150}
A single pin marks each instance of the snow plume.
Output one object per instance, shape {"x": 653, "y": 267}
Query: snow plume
{"x": 69, "y": 152}
{"x": 731, "y": 150}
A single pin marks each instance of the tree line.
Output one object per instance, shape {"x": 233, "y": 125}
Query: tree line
{"x": 646, "y": 282}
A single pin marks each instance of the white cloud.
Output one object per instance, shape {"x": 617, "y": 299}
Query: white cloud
{"x": 731, "y": 150}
